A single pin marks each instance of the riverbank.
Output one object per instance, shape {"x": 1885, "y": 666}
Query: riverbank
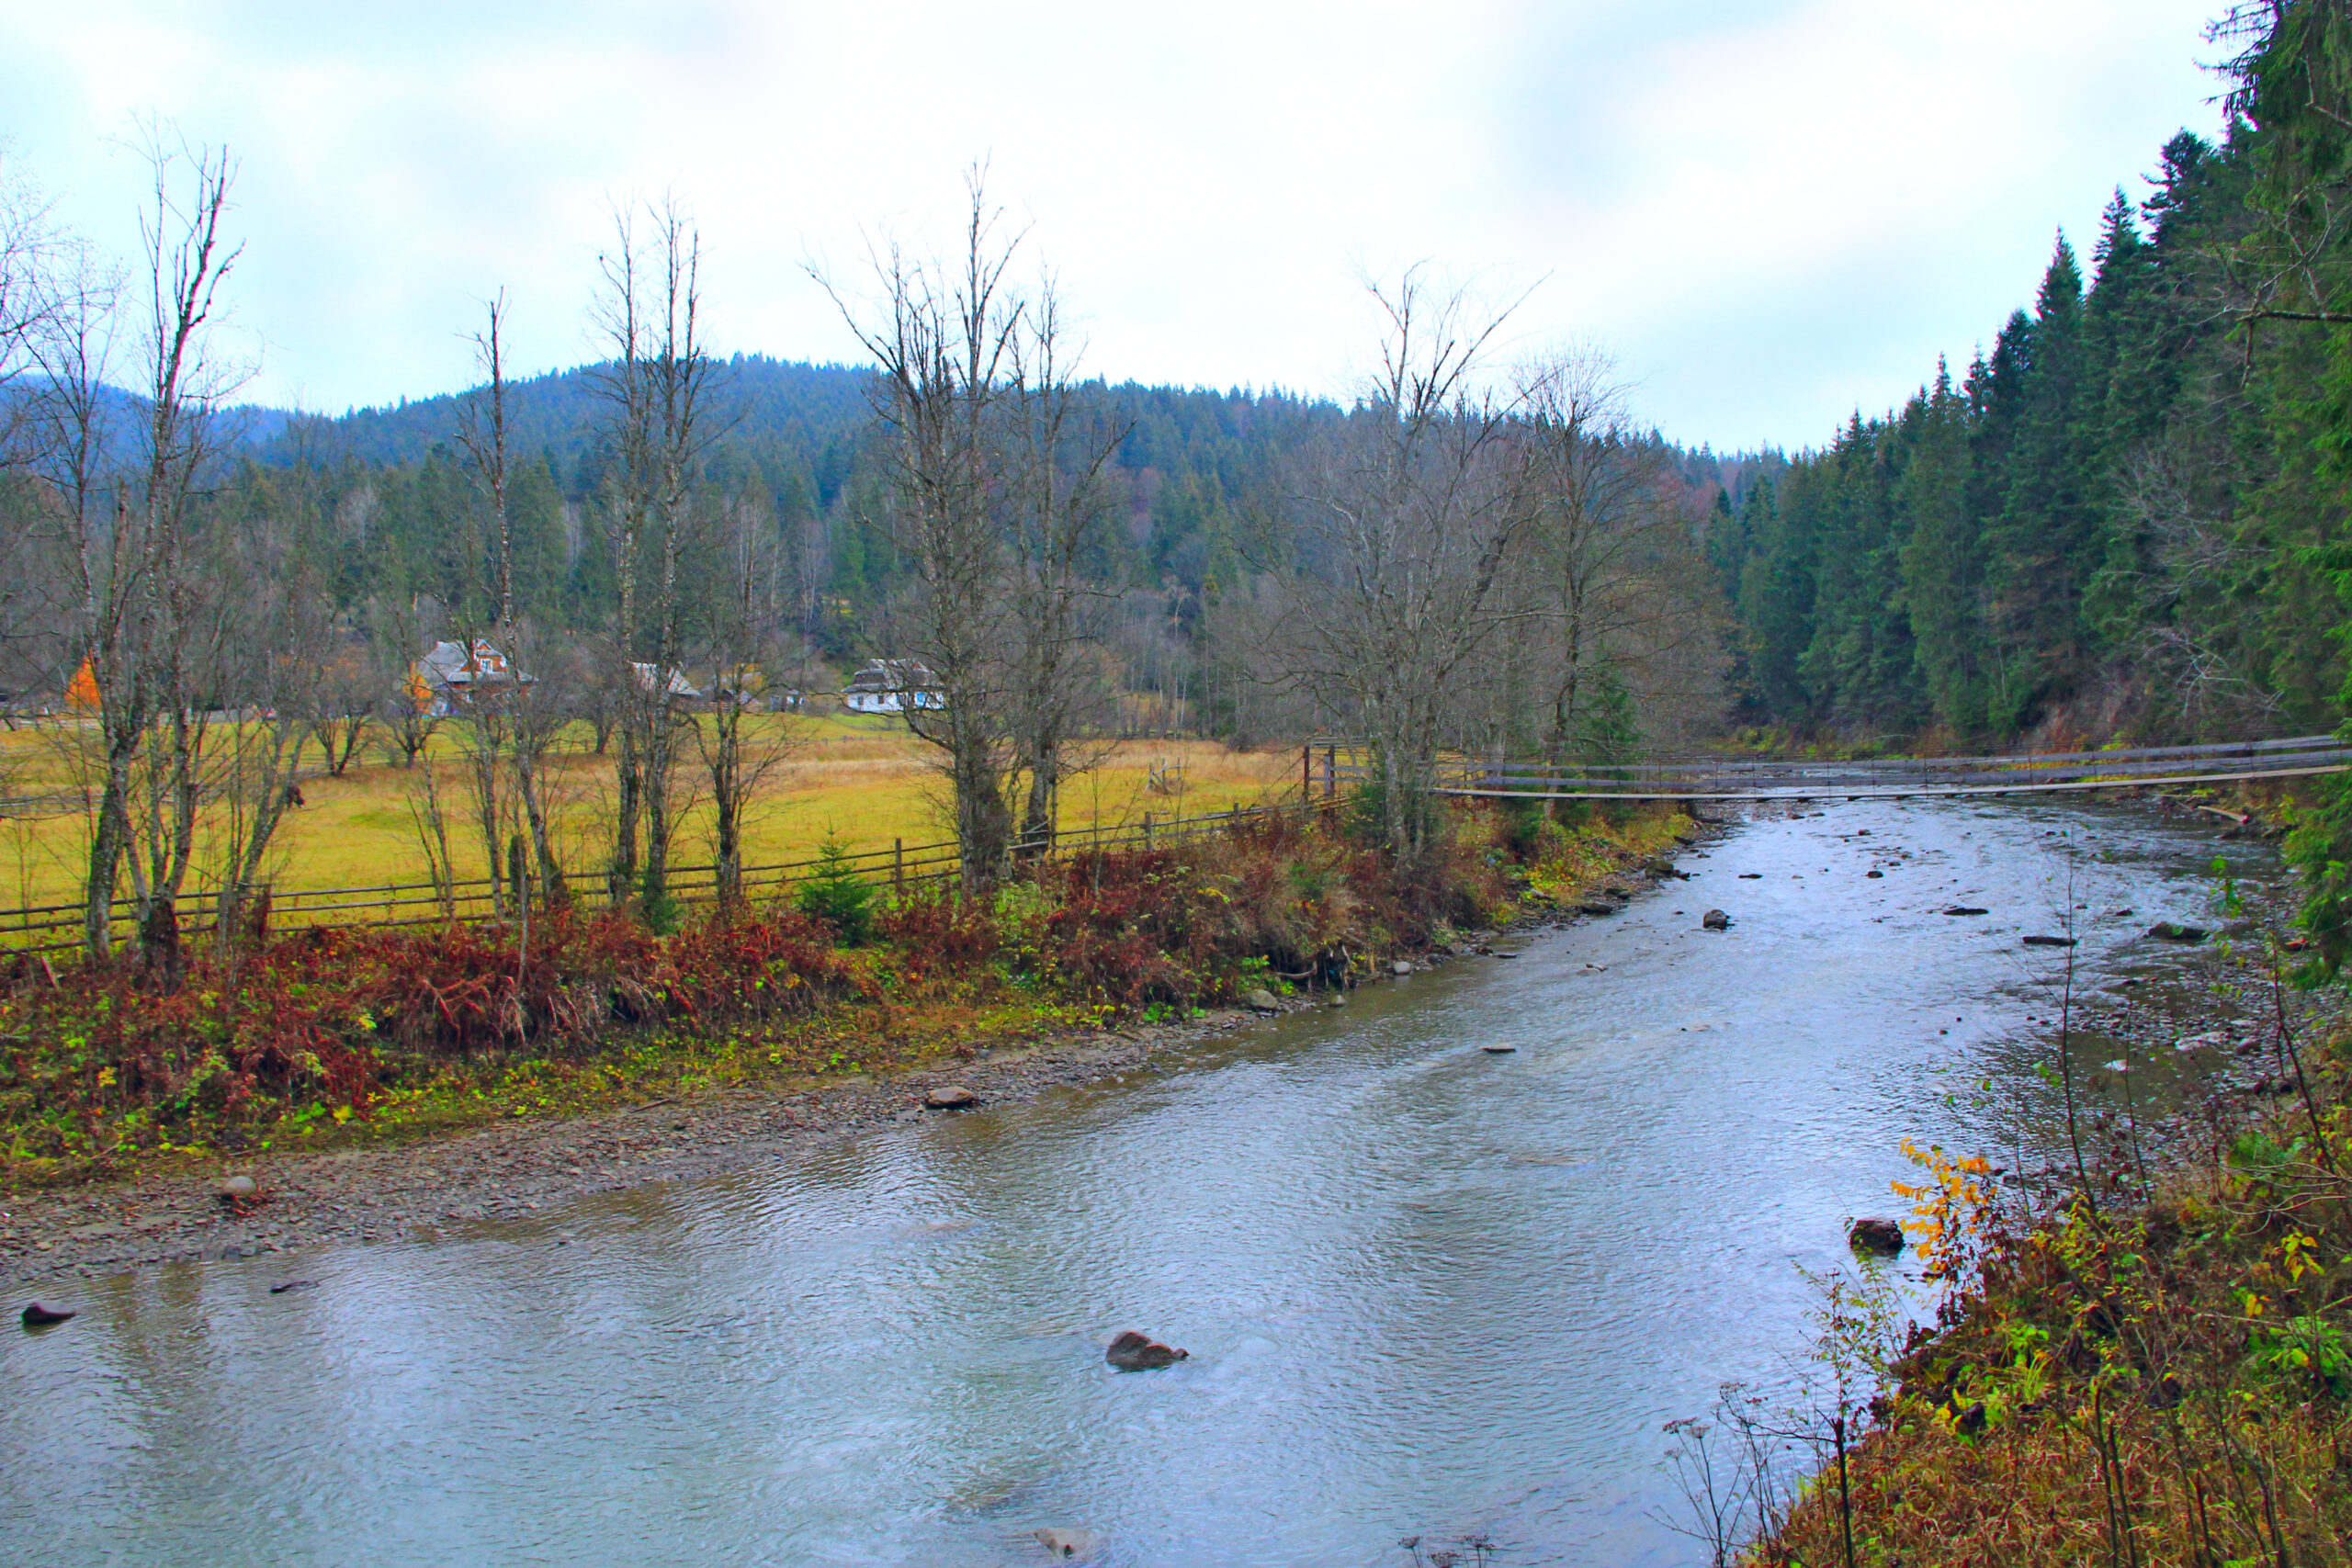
{"x": 2148, "y": 1363}
{"x": 474, "y": 1142}
{"x": 439, "y": 1184}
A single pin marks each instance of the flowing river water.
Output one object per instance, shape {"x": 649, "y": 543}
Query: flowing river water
{"x": 1428, "y": 1291}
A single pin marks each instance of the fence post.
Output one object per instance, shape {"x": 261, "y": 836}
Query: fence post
{"x": 1146, "y": 830}
{"x": 897, "y": 865}
{"x": 1331, "y": 772}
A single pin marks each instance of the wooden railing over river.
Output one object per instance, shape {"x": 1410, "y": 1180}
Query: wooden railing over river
{"x": 1328, "y": 767}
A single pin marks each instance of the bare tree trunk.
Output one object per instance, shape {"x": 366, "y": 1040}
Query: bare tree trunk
{"x": 188, "y": 260}
{"x": 656, "y": 389}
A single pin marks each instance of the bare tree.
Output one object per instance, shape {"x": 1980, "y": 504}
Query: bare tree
{"x": 344, "y": 700}
{"x": 1407, "y": 523}
{"x": 148, "y": 617}
{"x": 1609, "y": 585}
{"x": 945, "y": 348}
{"x": 542, "y": 703}
{"x": 273, "y": 660}
{"x": 656, "y": 388}
{"x": 187, "y": 258}
{"x": 28, "y": 247}
{"x": 482, "y": 431}
{"x": 737, "y": 752}
{"x": 1060, "y": 516}
{"x": 996, "y": 501}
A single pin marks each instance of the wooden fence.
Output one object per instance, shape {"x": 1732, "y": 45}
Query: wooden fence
{"x": 57, "y": 927}
{"x": 1328, "y": 766}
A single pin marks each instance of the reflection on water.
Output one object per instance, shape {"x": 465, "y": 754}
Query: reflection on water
{"x": 1426, "y": 1289}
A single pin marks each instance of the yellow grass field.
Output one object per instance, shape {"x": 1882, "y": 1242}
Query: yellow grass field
{"x": 861, "y": 778}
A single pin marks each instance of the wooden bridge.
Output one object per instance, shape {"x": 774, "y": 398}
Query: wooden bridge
{"x": 1325, "y": 767}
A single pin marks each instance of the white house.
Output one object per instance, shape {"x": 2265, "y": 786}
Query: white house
{"x": 892, "y": 685}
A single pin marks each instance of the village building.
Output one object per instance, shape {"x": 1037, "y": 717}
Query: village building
{"x": 451, "y": 677}
{"x": 892, "y": 685}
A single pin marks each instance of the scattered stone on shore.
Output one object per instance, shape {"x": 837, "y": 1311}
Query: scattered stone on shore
{"x": 1500, "y": 1050}
{"x": 1066, "y": 1543}
{"x": 2050, "y": 941}
{"x": 1401, "y": 968}
{"x": 1257, "y": 1000}
{"x": 1963, "y": 909}
{"x": 2173, "y": 930}
{"x": 239, "y": 1190}
{"x": 1715, "y": 920}
{"x": 36, "y": 1315}
{"x": 1879, "y": 1238}
{"x": 1873, "y": 874}
{"x": 1133, "y": 1352}
{"x": 1597, "y": 906}
{"x": 951, "y": 1097}
{"x": 1336, "y": 999}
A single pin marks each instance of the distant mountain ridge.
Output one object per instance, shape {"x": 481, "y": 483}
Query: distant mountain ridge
{"x": 557, "y": 413}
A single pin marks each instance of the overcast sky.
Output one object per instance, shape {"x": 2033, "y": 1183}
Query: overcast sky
{"x": 1770, "y": 211}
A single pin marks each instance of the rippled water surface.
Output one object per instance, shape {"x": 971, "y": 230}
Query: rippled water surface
{"x": 1427, "y": 1290}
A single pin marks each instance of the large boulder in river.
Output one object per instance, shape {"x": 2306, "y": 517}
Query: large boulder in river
{"x": 951, "y": 1097}
{"x": 36, "y": 1315}
{"x": 1715, "y": 920}
{"x": 1133, "y": 1352}
{"x": 1879, "y": 1239}
{"x": 2173, "y": 930}
{"x": 1260, "y": 1000}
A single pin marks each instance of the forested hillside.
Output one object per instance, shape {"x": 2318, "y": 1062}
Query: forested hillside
{"x": 1197, "y": 486}
{"x": 2125, "y": 515}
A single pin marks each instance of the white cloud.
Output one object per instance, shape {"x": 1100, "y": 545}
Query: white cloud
{"x": 1774, "y": 212}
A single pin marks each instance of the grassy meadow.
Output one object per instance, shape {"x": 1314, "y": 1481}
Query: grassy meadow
{"x": 864, "y": 779}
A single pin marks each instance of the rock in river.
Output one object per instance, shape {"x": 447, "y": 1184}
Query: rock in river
{"x": 1260, "y": 1000}
{"x": 1401, "y": 968}
{"x": 1879, "y": 1238}
{"x": 1133, "y": 1352}
{"x": 2173, "y": 930}
{"x": 1963, "y": 910}
{"x": 36, "y": 1315}
{"x": 2050, "y": 941}
{"x": 1066, "y": 1543}
{"x": 951, "y": 1097}
{"x": 1596, "y": 907}
{"x": 1715, "y": 920}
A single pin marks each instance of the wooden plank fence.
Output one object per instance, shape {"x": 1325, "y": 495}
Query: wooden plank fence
{"x": 1327, "y": 766}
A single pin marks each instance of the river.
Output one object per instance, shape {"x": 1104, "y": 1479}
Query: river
{"x": 1428, "y": 1291}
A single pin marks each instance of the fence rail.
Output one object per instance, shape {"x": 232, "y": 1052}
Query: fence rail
{"x": 39, "y": 928}
{"x": 1328, "y": 766}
